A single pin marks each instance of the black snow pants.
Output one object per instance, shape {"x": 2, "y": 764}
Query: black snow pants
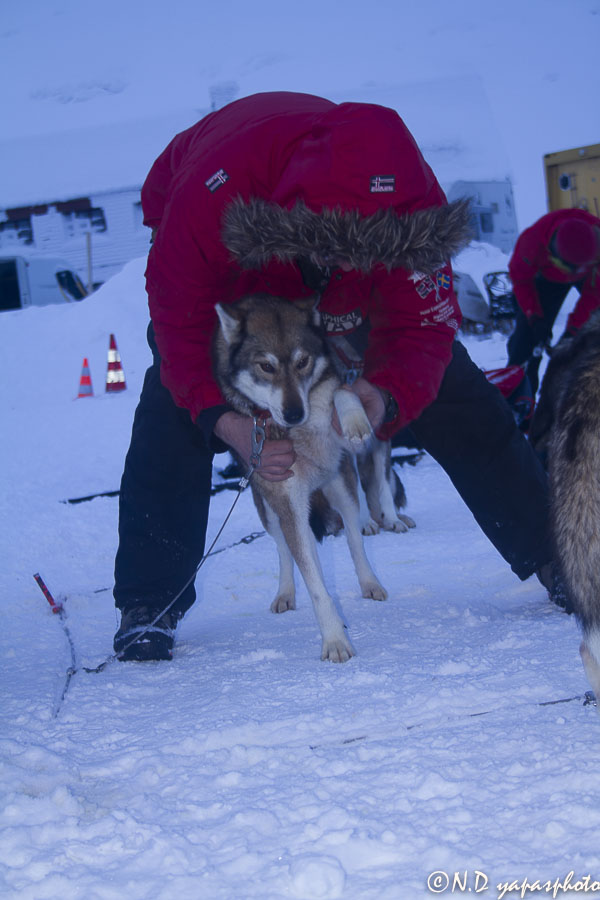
{"x": 163, "y": 501}
{"x": 471, "y": 431}
{"x": 165, "y": 489}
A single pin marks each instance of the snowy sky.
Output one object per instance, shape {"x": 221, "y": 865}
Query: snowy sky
{"x": 514, "y": 80}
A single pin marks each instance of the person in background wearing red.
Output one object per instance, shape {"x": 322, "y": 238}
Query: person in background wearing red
{"x": 559, "y": 251}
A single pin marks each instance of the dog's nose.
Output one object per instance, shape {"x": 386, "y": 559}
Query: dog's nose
{"x": 293, "y": 414}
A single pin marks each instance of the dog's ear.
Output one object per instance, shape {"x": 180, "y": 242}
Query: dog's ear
{"x": 230, "y": 324}
{"x": 310, "y": 305}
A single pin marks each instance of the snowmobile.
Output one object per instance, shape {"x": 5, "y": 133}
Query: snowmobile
{"x": 481, "y": 316}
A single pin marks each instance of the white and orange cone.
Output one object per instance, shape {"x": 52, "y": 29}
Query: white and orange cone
{"x": 115, "y": 376}
{"x": 85, "y": 382}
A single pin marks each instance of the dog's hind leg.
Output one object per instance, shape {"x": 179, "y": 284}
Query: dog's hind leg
{"x": 342, "y": 493}
{"x": 590, "y": 656}
{"x": 383, "y": 489}
{"x": 368, "y": 525}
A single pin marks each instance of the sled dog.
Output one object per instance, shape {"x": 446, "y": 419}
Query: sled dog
{"x": 271, "y": 354}
{"x": 566, "y": 425}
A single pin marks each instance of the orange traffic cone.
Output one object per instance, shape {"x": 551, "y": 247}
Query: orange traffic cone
{"x": 85, "y": 382}
{"x": 115, "y": 376}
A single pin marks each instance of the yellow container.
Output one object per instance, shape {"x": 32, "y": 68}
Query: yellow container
{"x": 573, "y": 179}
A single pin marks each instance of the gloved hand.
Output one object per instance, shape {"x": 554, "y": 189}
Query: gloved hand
{"x": 277, "y": 457}
{"x": 541, "y": 332}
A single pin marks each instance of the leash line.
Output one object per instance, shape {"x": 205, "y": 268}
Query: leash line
{"x": 247, "y": 539}
{"x": 588, "y": 699}
{"x": 58, "y": 608}
{"x": 159, "y": 616}
{"x": 257, "y": 441}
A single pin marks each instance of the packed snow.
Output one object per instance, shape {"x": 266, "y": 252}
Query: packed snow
{"x": 455, "y": 753}
{"x": 456, "y": 741}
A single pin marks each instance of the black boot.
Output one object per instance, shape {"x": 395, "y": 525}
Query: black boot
{"x": 145, "y": 634}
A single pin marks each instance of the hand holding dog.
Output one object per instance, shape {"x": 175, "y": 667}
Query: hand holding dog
{"x": 277, "y": 456}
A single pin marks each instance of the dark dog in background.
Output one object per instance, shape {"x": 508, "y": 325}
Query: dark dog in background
{"x": 566, "y": 431}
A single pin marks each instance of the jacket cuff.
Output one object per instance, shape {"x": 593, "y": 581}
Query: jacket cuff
{"x": 206, "y": 421}
{"x": 393, "y": 420}
{"x": 391, "y": 408}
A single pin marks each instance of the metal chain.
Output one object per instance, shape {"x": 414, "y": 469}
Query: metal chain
{"x": 257, "y": 440}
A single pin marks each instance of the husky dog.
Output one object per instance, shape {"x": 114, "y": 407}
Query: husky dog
{"x": 271, "y": 354}
{"x": 382, "y": 495}
{"x": 566, "y": 425}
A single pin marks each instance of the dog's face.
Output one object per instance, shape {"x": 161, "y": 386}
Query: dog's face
{"x": 275, "y": 354}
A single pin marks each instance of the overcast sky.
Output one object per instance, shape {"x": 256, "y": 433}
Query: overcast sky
{"x": 75, "y": 63}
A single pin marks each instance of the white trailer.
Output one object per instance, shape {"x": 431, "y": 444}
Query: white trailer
{"x": 37, "y": 281}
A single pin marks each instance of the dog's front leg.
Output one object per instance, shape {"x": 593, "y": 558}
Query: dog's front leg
{"x": 286, "y": 593}
{"x": 293, "y": 519}
{"x": 354, "y": 422}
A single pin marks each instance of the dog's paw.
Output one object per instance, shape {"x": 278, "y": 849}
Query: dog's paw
{"x": 410, "y": 523}
{"x": 357, "y": 430}
{"x": 370, "y": 527}
{"x": 372, "y": 590}
{"x": 282, "y": 603}
{"x": 338, "y": 651}
{"x": 592, "y": 670}
{"x": 399, "y": 524}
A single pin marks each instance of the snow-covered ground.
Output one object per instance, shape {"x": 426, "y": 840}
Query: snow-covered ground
{"x": 246, "y": 767}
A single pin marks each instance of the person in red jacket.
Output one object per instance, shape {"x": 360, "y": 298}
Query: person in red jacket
{"x": 559, "y": 251}
{"x": 292, "y": 195}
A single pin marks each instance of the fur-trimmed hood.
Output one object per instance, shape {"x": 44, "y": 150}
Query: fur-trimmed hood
{"x": 257, "y": 231}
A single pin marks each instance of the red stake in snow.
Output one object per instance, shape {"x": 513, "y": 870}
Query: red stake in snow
{"x": 56, "y": 607}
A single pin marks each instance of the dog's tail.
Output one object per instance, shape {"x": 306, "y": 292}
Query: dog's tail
{"x": 575, "y": 489}
{"x": 323, "y": 518}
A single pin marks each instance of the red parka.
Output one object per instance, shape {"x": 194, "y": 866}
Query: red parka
{"x": 532, "y": 256}
{"x": 295, "y": 151}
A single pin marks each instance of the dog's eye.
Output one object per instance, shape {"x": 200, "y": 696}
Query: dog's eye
{"x": 302, "y": 363}
{"x": 267, "y": 367}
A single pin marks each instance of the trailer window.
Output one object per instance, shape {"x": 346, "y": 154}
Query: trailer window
{"x": 70, "y": 284}
{"x": 10, "y": 297}
{"x": 486, "y": 221}
{"x": 16, "y": 231}
{"x": 80, "y": 221}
